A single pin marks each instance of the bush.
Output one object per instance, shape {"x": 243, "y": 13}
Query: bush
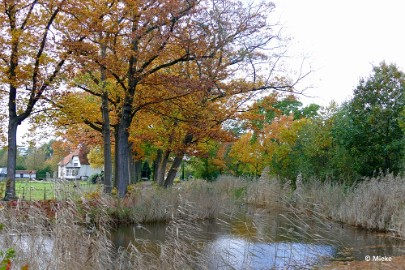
{"x": 96, "y": 178}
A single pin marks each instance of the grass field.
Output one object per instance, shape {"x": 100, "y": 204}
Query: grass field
{"x": 45, "y": 190}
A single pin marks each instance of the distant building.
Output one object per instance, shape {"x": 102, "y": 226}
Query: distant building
{"x": 30, "y": 174}
{"x": 19, "y": 174}
{"x": 3, "y": 173}
{"x": 76, "y": 166}
{"x": 22, "y": 150}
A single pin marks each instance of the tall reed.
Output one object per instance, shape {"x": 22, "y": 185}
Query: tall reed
{"x": 74, "y": 234}
{"x": 377, "y": 203}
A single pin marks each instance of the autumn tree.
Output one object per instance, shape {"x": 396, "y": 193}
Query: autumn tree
{"x": 36, "y": 156}
{"x": 226, "y": 41}
{"x": 96, "y": 157}
{"x": 247, "y": 156}
{"x": 59, "y": 150}
{"x": 33, "y": 57}
{"x": 173, "y": 134}
{"x": 97, "y": 22}
{"x": 272, "y": 128}
{"x": 210, "y": 165}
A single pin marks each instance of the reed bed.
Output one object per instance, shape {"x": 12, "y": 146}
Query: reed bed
{"x": 74, "y": 234}
{"x": 376, "y": 203}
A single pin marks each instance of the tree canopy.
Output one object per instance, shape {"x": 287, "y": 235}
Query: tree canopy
{"x": 174, "y": 82}
{"x": 374, "y": 134}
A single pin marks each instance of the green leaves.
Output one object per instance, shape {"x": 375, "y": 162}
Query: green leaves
{"x": 374, "y": 134}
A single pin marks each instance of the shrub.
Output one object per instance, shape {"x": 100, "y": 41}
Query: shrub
{"x": 95, "y": 178}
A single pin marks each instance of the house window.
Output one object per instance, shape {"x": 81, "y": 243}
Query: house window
{"x": 76, "y": 164}
{"x": 72, "y": 172}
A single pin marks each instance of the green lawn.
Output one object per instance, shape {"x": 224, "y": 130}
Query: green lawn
{"x": 45, "y": 190}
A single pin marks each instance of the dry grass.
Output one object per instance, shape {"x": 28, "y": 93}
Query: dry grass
{"x": 45, "y": 242}
{"x": 379, "y": 204}
{"x": 74, "y": 234}
{"x": 180, "y": 250}
{"x": 265, "y": 191}
{"x": 70, "y": 242}
{"x": 376, "y": 203}
{"x": 154, "y": 204}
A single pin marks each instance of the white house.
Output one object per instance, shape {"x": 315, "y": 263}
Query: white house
{"x": 76, "y": 166}
{"x": 30, "y": 174}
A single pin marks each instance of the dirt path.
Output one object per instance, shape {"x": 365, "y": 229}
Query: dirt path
{"x": 146, "y": 184}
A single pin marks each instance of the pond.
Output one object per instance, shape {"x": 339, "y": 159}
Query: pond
{"x": 267, "y": 239}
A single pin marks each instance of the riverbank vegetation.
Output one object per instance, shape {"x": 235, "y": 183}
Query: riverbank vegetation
{"x": 376, "y": 203}
{"x": 74, "y": 233}
{"x": 49, "y": 233}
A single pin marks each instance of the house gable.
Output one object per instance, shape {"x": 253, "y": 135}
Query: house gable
{"x": 75, "y": 162}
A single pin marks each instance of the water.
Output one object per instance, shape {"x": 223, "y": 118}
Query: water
{"x": 238, "y": 253}
{"x": 269, "y": 239}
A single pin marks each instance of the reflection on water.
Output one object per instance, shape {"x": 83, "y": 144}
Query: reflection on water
{"x": 125, "y": 235}
{"x": 270, "y": 239}
{"x": 237, "y": 253}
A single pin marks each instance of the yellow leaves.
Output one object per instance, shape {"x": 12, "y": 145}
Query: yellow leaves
{"x": 96, "y": 157}
{"x": 273, "y": 142}
{"x": 15, "y": 35}
{"x": 78, "y": 106}
{"x": 219, "y": 163}
{"x": 248, "y": 154}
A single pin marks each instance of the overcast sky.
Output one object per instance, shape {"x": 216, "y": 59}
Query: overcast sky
{"x": 343, "y": 40}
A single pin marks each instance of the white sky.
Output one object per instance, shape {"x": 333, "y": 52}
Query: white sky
{"x": 342, "y": 40}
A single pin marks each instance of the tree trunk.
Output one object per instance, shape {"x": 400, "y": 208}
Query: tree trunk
{"x": 125, "y": 119}
{"x": 135, "y": 169}
{"x": 138, "y": 170}
{"x": 156, "y": 165}
{"x": 115, "y": 157}
{"x": 162, "y": 169}
{"x": 173, "y": 170}
{"x": 107, "y": 149}
{"x": 188, "y": 139}
{"x": 11, "y": 159}
{"x": 123, "y": 149}
{"x": 132, "y": 170}
{"x": 39, "y": 83}
{"x": 106, "y": 129}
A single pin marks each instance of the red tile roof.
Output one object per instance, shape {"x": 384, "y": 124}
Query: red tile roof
{"x": 26, "y": 171}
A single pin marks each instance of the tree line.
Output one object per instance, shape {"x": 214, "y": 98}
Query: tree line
{"x": 362, "y": 137}
{"x": 169, "y": 81}
{"x": 100, "y": 63}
